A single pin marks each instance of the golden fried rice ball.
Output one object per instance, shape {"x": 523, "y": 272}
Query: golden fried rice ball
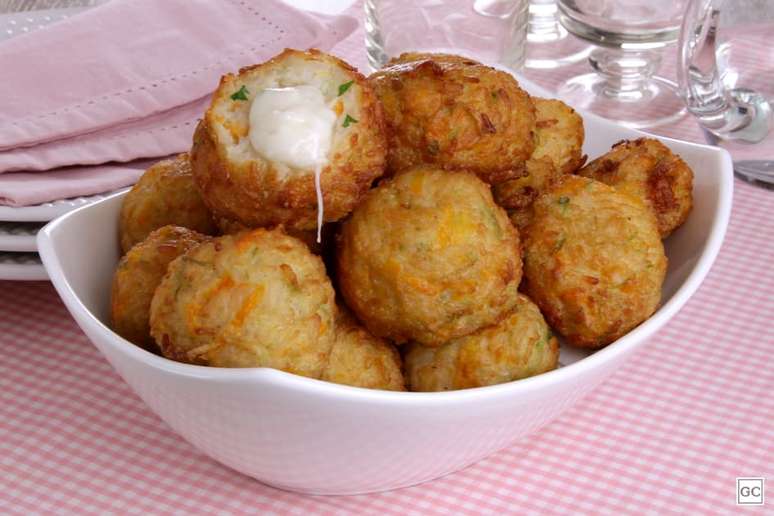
{"x": 559, "y": 135}
{"x": 138, "y": 274}
{"x": 593, "y": 262}
{"x": 255, "y": 299}
{"x": 240, "y": 184}
{"x": 362, "y": 360}
{"x": 558, "y": 151}
{"x": 428, "y": 256}
{"x": 647, "y": 169}
{"x": 521, "y": 345}
{"x": 165, "y": 194}
{"x": 457, "y": 114}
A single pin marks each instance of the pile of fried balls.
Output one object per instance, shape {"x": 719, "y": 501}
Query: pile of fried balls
{"x": 461, "y": 231}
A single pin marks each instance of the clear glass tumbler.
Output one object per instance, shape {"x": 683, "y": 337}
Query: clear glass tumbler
{"x": 726, "y": 74}
{"x": 549, "y": 45}
{"x": 630, "y": 35}
{"x": 489, "y": 30}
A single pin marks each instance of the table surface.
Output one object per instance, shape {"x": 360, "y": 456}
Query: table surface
{"x": 669, "y": 432}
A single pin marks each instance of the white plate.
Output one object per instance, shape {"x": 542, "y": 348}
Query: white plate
{"x": 21, "y": 267}
{"x": 19, "y": 236}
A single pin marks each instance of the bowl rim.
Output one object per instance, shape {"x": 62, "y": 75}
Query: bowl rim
{"x": 281, "y": 379}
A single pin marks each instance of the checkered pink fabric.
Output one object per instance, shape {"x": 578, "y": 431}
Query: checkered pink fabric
{"x": 669, "y": 433}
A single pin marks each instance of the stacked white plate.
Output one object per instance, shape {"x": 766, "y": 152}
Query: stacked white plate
{"x": 19, "y": 259}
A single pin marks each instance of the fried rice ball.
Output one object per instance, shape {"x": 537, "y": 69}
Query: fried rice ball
{"x": 647, "y": 169}
{"x": 254, "y": 299}
{"x": 558, "y": 151}
{"x": 521, "y": 345}
{"x": 362, "y": 360}
{"x": 259, "y": 190}
{"x": 457, "y": 114}
{"x": 593, "y": 262}
{"x": 428, "y": 256}
{"x": 165, "y": 194}
{"x": 559, "y": 135}
{"x": 138, "y": 274}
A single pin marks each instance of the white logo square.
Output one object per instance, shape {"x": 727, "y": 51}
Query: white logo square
{"x": 749, "y": 491}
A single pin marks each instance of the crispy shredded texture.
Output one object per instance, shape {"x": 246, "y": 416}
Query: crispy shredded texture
{"x": 593, "y": 261}
{"x": 165, "y": 194}
{"x": 428, "y": 256}
{"x": 239, "y": 184}
{"x": 647, "y": 169}
{"x": 456, "y": 114}
{"x": 521, "y": 345}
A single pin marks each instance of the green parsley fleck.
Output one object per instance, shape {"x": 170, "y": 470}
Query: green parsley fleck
{"x": 433, "y": 148}
{"x": 349, "y": 120}
{"x": 241, "y": 94}
{"x": 453, "y": 133}
{"x": 564, "y": 202}
{"x": 544, "y": 340}
{"x": 344, "y": 87}
{"x": 559, "y": 244}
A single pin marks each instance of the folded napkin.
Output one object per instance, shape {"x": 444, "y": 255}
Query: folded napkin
{"x": 129, "y": 79}
{"x": 25, "y": 188}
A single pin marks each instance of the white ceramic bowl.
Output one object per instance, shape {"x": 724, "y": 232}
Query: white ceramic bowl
{"x": 311, "y": 436}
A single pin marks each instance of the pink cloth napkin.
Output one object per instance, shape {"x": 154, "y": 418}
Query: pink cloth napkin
{"x": 25, "y": 188}
{"x": 129, "y": 79}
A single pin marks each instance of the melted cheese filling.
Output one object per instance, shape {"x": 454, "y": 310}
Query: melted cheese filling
{"x": 294, "y": 126}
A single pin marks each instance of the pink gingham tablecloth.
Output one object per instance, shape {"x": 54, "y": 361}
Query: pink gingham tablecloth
{"x": 668, "y": 433}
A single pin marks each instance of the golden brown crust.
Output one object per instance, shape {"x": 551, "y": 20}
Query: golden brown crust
{"x": 165, "y": 194}
{"x": 255, "y": 299}
{"x": 457, "y": 114}
{"x": 558, "y": 151}
{"x": 517, "y": 195}
{"x": 647, "y": 169}
{"x": 521, "y": 345}
{"x": 428, "y": 256}
{"x": 258, "y": 192}
{"x": 361, "y": 359}
{"x": 593, "y": 262}
{"x": 559, "y": 135}
{"x": 138, "y": 274}
{"x": 410, "y": 57}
